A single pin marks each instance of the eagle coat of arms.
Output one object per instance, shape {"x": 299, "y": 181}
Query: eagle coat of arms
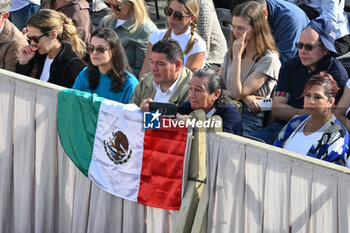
{"x": 117, "y": 148}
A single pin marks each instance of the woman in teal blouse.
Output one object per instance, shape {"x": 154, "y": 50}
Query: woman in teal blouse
{"x": 108, "y": 72}
{"x": 130, "y": 20}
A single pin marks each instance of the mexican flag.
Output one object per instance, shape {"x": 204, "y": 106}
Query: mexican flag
{"x": 106, "y": 141}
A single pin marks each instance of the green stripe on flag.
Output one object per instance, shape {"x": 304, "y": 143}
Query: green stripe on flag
{"x": 77, "y": 114}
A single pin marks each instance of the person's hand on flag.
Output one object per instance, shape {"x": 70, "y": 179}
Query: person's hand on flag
{"x": 144, "y": 106}
{"x": 107, "y": 142}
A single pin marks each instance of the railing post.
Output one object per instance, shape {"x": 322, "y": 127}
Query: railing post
{"x": 188, "y": 215}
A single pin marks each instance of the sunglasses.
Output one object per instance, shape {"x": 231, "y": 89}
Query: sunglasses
{"x": 35, "y": 38}
{"x": 176, "y": 14}
{"x": 115, "y": 7}
{"x": 99, "y": 49}
{"x": 308, "y": 47}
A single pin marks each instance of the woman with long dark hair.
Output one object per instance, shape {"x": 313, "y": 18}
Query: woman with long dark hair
{"x": 108, "y": 74}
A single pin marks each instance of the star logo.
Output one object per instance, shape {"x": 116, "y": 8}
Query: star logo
{"x": 151, "y": 120}
{"x": 155, "y": 115}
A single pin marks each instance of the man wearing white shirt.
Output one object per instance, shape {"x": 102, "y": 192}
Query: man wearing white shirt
{"x": 168, "y": 81}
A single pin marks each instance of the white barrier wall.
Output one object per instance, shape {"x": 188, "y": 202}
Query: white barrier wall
{"x": 255, "y": 187}
{"x": 252, "y": 187}
{"x": 40, "y": 188}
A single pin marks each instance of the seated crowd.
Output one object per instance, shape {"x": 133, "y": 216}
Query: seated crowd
{"x": 276, "y": 51}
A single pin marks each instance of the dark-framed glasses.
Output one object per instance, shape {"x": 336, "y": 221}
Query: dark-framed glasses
{"x": 36, "y": 39}
{"x": 308, "y": 47}
{"x": 176, "y": 14}
{"x": 99, "y": 48}
{"x": 115, "y": 7}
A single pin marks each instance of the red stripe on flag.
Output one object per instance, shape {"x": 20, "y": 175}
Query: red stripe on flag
{"x": 162, "y": 167}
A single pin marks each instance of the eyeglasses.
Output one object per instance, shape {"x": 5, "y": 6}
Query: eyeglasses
{"x": 34, "y": 38}
{"x": 99, "y": 49}
{"x": 115, "y": 7}
{"x": 238, "y": 28}
{"x": 177, "y": 14}
{"x": 308, "y": 47}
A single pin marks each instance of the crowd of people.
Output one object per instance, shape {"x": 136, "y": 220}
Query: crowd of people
{"x": 280, "y": 49}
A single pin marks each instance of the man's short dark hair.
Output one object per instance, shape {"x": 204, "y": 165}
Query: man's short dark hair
{"x": 171, "y": 48}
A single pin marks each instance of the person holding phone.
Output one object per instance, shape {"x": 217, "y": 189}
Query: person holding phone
{"x": 55, "y": 49}
{"x": 108, "y": 74}
{"x": 316, "y": 53}
{"x": 168, "y": 81}
{"x": 251, "y": 65}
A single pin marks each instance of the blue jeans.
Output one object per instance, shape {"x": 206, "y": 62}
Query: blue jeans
{"x": 21, "y": 16}
{"x": 268, "y": 134}
{"x": 251, "y": 121}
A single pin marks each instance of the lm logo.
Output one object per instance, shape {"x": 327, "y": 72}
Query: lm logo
{"x": 151, "y": 120}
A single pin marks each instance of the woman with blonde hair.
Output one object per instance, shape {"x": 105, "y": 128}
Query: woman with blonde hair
{"x": 251, "y": 65}
{"x": 55, "y": 49}
{"x": 129, "y": 19}
{"x": 182, "y": 19}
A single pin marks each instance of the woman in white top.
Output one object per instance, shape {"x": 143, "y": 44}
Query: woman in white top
{"x": 182, "y": 19}
{"x": 251, "y": 65}
{"x": 318, "y": 133}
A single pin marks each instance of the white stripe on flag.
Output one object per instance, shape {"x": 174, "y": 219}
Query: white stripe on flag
{"x": 122, "y": 180}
